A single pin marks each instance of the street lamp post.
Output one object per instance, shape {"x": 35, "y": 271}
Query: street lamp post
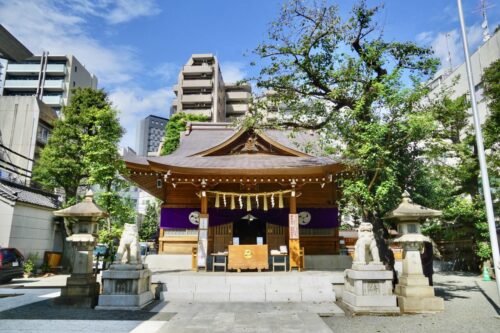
{"x": 480, "y": 152}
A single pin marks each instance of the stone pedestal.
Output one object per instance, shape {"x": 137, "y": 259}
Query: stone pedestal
{"x": 125, "y": 287}
{"x": 413, "y": 291}
{"x": 368, "y": 289}
{"x": 81, "y": 290}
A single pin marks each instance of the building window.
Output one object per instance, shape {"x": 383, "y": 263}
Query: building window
{"x": 76, "y": 69}
{"x": 74, "y": 84}
{"x": 42, "y": 134}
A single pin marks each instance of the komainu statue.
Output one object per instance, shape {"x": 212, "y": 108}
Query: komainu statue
{"x": 366, "y": 246}
{"x": 129, "y": 251}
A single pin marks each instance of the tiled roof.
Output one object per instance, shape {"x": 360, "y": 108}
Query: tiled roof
{"x": 199, "y": 140}
{"x": 20, "y": 193}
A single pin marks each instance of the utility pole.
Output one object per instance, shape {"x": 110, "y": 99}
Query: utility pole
{"x": 481, "y": 155}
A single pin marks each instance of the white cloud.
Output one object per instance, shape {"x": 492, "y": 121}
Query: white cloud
{"x": 135, "y": 104}
{"x": 167, "y": 72}
{"x": 448, "y": 45}
{"x": 115, "y": 11}
{"x": 59, "y": 28}
{"x": 233, "y": 71}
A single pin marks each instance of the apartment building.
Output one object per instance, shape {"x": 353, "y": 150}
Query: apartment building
{"x": 485, "y": 55}
{"x": 150, "y": 134}
{"x": 201, "y": 90}
{"x": 48, "y": 77}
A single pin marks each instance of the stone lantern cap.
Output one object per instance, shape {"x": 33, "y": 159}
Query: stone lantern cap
{"x": 409, "y": 211}
{"x": 86, "y": 208}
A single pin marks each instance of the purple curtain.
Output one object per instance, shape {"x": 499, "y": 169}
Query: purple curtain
{"x": 178, "y": 218}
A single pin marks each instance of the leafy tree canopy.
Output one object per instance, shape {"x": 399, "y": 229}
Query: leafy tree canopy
{"x": 341, "y": 77}
{"x": 175, "y": 126}
{"x": 150, "y": 224}
{"x": 82, "y": 149}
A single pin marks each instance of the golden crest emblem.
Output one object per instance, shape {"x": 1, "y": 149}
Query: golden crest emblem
{"x": 247, "y": 254}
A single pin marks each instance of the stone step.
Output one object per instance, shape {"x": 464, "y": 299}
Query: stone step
{"x": 257, "y": 287}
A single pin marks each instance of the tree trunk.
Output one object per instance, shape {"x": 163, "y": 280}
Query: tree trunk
{"x": 381, "y": 235}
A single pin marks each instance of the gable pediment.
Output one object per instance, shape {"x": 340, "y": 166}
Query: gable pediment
{"x": 251, "y": 142}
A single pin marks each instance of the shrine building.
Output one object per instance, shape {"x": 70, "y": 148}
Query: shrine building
{"x": 245, "y": 193}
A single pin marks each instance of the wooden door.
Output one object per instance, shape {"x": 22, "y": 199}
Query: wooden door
{"x": 276, "y": 236}
{"x": 222, "y": 237}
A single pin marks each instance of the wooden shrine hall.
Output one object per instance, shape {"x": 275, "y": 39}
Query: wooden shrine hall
{"x": 249, "y": 196}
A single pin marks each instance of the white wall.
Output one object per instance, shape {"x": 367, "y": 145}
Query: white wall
{"x": 33, "y": 230}
{"x": 6, "y": 212}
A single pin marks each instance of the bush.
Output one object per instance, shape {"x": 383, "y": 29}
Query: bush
{"x": 29, "y": 264}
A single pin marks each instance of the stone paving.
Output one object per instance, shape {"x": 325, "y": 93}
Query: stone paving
{"x": 471, "y": 305}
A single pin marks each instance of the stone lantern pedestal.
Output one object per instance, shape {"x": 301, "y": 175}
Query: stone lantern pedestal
{"x": 81, "y": 288}
{"x": 413, "y": 291}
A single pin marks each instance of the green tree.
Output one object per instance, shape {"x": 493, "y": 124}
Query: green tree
{"x": 341, "y": 78}
{"x": 175, "y": 126}
{"x": 454, "y": 158}
{"x": 150, "y": 224}
{"x": 82, "y": 149}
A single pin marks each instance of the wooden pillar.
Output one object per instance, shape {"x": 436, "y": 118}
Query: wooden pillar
{"x": 203, "y": 231}
{"x": 294, "y": 241}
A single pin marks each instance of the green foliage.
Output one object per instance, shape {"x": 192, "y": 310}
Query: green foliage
{"x": 30, "y": 262}
{"x": 121, "y": 209}
{"x": 339, "y": 76}
{"x": 82, "y": 149}
{"x": 175, "y": 126}
{"x": 456, "y": 169}
{"x": 110, "y": 237}
{"x": 150, "y": 224}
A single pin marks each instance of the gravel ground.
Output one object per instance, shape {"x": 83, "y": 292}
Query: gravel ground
{"x": 471, "y": 305}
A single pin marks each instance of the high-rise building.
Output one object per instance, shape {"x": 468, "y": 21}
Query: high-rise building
{"x": 150, "y": 134}
{"x": 201, "y": 90}
{"x": 485, "y": 55}
{"x": 48, "y": 77}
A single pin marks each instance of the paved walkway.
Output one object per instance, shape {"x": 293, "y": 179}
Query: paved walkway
{"x": 471, "y": 306}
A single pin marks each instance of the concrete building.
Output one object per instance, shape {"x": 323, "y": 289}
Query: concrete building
{"x": 25, "y": 126}
{"x": 150, "y": 133}
{"x": 11, "y": 48}
{"x": 201, "y": 90}
{"x": 26, "y": 220}
{"x": 49, "y": 77}
{"x": 480, "y": 60}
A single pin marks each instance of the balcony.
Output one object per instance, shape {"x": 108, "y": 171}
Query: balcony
{"x": 21, "y": 84}
{"x": 54, "y": 84}
{"x": 52, "y": 100}
{"x": 35, "y": 68}
{"x": 197, "y": 84}
{"x": 203, "y": 69}
{"x": 236, "y": 108}
{"x": 203, "y": 112}
{"x": 56, "y": 69}
{"x": 237, "y": 96}
{"x": 199, "y": 98}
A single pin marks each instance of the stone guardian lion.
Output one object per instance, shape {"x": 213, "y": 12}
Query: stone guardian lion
{"x": 366, "y": 246}
{"x": 129, "y": 251}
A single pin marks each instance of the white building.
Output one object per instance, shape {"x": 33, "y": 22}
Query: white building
{"x": 201, "y": 90}
{"x": 27, "y": 220}
{"x": 48, "y": 77}
{"x": 25, "y": 126}
{"x": 480, "y": 60}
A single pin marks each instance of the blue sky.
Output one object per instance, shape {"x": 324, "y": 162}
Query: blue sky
{"x": 136, "y": 48}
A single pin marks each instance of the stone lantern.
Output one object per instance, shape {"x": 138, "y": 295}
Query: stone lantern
{"x": 413, "y": 291}
{"x": 81, "y": 286}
